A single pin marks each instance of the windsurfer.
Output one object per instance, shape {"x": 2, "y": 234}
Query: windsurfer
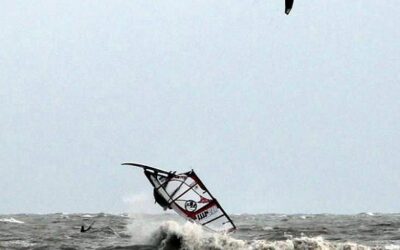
{"x": 83, "y": 230}
{"x": 186, "y": 194}
{"x": 159, "y": 199}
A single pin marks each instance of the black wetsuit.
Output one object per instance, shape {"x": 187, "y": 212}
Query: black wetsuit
{"x": 160, "y": 200}
{"x": 83, "y": 230}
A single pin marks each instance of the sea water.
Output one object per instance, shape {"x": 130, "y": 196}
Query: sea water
{"x": 168, "y": 231}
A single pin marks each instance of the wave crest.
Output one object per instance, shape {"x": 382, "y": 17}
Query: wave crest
{"x": 11, "y": 220}
{"x": 174, "y": 236}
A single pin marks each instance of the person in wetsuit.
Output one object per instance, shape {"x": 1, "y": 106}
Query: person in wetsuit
{"x": 159, "y": 199}
{"x": 83, "y": 230}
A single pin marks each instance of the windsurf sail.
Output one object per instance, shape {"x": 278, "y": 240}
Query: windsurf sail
{"x": 186, "y": 194}
{"x": 288, "y": 6}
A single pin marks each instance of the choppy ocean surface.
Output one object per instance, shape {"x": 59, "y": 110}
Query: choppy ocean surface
{"x": 168, "y": 231}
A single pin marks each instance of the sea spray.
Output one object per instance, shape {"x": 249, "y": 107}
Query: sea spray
{"x": 189, "y": 236}
{"x": 141, "y": 227}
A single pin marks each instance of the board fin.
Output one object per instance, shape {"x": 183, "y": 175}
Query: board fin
{"x": 288, "y": 6}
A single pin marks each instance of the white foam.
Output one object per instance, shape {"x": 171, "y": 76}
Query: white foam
{"x": 392, "y": 247}
{"x": 368, "y": 214}
{"x": 171, "y": 235}
{"x": 174, "y": 235}
{"x": 88, "y": 216}
{"x": 16, "y": 244}
{"x": 11, "y": 220}
{"x": 141, "y": 227}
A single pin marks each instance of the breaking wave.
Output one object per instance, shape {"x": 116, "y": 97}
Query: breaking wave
{"x": 174, "y": 236}
{"x": 11, "y": 220}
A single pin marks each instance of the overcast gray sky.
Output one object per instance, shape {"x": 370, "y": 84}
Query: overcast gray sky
{"x": 276, "y": 113}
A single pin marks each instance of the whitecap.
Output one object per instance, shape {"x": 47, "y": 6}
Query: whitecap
{"x": 11, "y": 220}
{"x": 173, "y": 235}
{"x": 16, "y": 244}
{"x": 392, "y": 247}
{"x": 87, "y": 216}
{"x": 367, "y": 214}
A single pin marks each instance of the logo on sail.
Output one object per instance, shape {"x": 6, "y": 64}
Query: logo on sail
{"x": 212, "y": 210}
{"x": 190, "y": 205}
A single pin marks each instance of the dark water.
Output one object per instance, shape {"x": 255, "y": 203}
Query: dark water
{"x": 271, "y": 231}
